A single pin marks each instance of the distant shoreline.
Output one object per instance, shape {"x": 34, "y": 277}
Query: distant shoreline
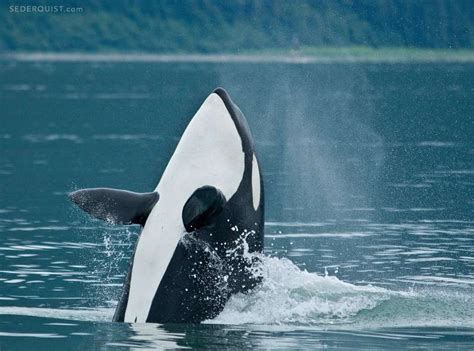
{"x": 305, "y": 55}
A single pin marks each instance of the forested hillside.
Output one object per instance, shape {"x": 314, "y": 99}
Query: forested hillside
{"x": 174, "y": 26}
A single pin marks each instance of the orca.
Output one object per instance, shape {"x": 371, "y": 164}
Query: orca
{"x": 197, "y": 227}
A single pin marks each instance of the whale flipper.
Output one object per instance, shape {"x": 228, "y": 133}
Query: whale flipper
{"x": 205, "y": 203}
{"x": 114, "y": 205}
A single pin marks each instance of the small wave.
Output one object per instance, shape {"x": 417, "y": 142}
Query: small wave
{"x": 320, "y": 235}
{"x": 31, "y": 229}
{"x": 95, "y": 314}
{"x": 126, "y": 137}
{"x": 226, "y": 58}
{"x": 437, "y": 144}
{"x": 32, "y": 335}
{"x": 433, "y": 280}
{"x": 298, "y": 224}
{"x": 16, "y": 87}
{"x": 40, "y": 138}
{"x": 112, "y": 96}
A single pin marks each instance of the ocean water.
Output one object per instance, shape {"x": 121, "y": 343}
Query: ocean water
{"x": 368, "y": 169}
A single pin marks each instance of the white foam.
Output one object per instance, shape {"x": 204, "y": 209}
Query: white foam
{"x": 289, "y": 295}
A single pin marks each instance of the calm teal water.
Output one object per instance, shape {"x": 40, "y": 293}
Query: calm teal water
{"x": 368, "y": 171}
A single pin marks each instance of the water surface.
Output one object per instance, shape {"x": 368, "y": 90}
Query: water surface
{"x": 368, "y": 175}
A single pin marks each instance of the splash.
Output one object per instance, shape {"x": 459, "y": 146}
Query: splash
{"x": 289, "y": 295}
{"x": 109, "y": 267}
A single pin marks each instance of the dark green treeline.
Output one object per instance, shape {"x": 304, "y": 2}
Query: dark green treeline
{"x": 235, "y": 25}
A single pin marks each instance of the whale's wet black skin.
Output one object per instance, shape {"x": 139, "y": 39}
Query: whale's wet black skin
{"x": 199, "y": 226}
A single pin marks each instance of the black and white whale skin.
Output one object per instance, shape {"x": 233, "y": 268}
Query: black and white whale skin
{"x": 198, "y": 225}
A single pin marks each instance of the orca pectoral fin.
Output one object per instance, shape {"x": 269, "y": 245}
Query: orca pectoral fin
{"x": 202, "y": 206}
{"x": 114, "y": 205}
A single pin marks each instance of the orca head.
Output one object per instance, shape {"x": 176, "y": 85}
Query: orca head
{"x": 248, "y": 147}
